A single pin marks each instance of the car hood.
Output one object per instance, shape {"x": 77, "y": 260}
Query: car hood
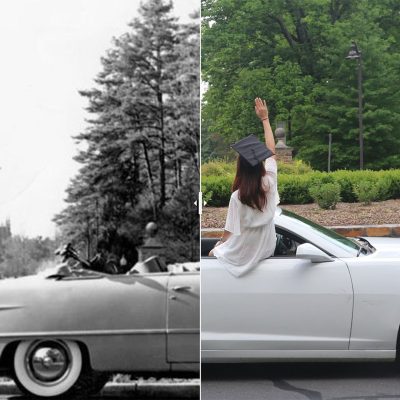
{"x": 385, "y": 246}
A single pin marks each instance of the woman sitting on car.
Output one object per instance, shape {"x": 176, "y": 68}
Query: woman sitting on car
{"x": 249, "y": 234}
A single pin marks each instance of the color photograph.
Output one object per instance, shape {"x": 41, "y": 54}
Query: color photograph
{"x": 300, "y": 174}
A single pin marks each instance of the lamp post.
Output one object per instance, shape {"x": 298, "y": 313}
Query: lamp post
{"x": 355, "y": 54}
{"x": 329, "y": 151}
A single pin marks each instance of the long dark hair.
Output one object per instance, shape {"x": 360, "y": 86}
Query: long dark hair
{"x": 248, "y": 181}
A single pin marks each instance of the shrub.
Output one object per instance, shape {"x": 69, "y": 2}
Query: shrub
{"x": 383, "y": 185}
{"x": 294, "y": 188}
{"x": 298, "y": 167}
{"x": 207, "y": 195}
{"x": 225, "y": 168}
{"x": 326, "y": 195}
{"x": 365, "y": 191}
{"x": 217, "y": 189}
{"x": 346, "y": 180}
{"x": 368, "y": 190}
{"x": 218, "y": 168}
{"x": 394, "y": 191}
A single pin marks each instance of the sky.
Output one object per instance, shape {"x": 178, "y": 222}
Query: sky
{"x": 50, "y": 50}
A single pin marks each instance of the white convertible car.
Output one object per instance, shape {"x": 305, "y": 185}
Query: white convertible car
{"x": 320, "y": 297}
{"x": 63, "y": 334}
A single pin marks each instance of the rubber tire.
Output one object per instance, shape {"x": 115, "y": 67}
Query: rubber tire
{"x": 32, "y": 387}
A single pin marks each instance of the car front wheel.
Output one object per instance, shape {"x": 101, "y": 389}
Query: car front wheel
{"x": 47, "y": 368}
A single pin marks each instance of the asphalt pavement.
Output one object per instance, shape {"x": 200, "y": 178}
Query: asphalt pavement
{"x": 301, "y": 381}
{"x": 14, "y": 397}
{"x": 133, "y": 390}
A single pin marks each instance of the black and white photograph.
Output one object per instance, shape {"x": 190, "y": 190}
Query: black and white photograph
{"x": 99, "y": 199}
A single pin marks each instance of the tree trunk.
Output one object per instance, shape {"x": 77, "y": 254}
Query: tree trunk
{"x": 162, "y": 153}
{"x": 162, "y": 130}
{"x": 151, "y": 183}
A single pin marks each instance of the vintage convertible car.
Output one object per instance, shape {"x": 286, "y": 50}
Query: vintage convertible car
{"x": 63, "y": 334}
{"x": 321, "y": 297}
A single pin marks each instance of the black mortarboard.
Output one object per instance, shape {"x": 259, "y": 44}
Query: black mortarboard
{"x": 252, "y": 150}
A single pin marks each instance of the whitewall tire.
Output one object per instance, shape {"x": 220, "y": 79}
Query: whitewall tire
{"x": 47, "y": 367}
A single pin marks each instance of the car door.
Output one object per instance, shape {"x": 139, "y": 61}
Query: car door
{"x": 121, "y": 319}
{"x": 285, "y": 303}
{"x": 183, "y": 318}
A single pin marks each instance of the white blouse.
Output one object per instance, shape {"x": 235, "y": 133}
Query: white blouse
{"x": 253, "y": 231}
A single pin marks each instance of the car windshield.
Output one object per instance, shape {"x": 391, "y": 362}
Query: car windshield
{"x": 328, "y": 234}
{"x": 63, "y": 271}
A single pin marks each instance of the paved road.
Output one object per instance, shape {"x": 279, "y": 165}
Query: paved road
{"x": 374, "y": 381}
{"x": 15, "y": 397}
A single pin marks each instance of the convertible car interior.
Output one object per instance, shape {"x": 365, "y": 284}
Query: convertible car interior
{"x": 156, "y": 264}
{"x": 151, "y": 264}
{"x": 286, "y": 244}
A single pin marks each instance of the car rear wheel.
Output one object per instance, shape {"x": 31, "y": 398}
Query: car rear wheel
{"x": 49, "y": 368}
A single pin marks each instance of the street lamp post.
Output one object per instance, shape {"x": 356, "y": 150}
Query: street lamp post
{"x": 355, "y": 54}
{"x": 329, "y": 151}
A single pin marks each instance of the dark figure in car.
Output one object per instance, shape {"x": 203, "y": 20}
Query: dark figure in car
{"x": 105, "y": 261}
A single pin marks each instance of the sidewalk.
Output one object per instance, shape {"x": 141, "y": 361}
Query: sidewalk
{"x": 142, "y": 390}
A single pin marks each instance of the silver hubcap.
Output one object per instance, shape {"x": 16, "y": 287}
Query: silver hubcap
{"x": 48, "y": 362}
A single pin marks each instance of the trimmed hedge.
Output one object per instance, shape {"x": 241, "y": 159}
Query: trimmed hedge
{"x": 217, "y": 190}
{"x": 326, "y": 195}
{"x": 294, "y": 188}
{"x": 224, "y": 168}
{"x": 218, "y": 168}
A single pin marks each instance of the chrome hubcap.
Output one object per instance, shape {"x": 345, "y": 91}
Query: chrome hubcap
{"x": 48, "y": 362}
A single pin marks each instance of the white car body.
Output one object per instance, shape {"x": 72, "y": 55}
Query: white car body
{"x": 322, "y": 303}
{"x": 63, "y": 334}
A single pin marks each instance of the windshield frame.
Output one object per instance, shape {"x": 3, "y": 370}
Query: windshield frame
{"x": 348, "y": 247}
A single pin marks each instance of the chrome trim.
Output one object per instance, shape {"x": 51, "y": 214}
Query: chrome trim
{"x": 10, "y": 307}
{"x": 295, "y": 355}
{"x": 181, "y": 288}
{"x": 177, "y": 330}
{"x": 96, "y": 333}
{"x": 40, "y": 368}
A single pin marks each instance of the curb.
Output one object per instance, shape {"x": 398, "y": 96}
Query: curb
{"x": 389, "y": 230}
{"x": 181, "y": 390}
{"x": 152, "y": 390}
{"x": 368, "y": 230}
{"x": 8, "y": 388}
{"x": 211, "y": 232}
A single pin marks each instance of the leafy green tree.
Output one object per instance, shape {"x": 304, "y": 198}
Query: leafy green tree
{"x": 293, "y": 54}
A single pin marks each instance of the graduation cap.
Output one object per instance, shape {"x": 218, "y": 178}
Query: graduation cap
{"x": 252, "y": 150}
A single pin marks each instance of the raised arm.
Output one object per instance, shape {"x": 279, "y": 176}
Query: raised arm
{"x": 261, "y": 109}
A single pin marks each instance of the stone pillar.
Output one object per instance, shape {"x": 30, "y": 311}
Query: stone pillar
{"x": 152, "y": 245}
{"x": 283, "y": 153}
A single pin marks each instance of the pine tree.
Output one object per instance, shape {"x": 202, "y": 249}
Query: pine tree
{"x": 141, "y": 144}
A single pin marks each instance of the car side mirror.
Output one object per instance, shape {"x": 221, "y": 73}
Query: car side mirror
{"x": 308, "y": 251}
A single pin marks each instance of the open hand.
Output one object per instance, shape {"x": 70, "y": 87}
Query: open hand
{"x": 261, "y": 108}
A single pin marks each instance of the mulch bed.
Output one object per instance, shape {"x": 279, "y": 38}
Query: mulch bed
{"x": 379, "y": 213}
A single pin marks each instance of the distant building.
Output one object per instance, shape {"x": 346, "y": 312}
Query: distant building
{"x": 5, "y": 231}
